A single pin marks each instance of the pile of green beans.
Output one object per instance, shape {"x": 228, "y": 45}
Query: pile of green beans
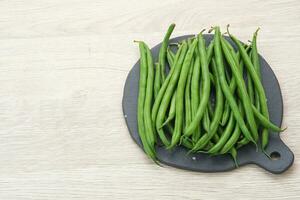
{"x": 211, "y": 100}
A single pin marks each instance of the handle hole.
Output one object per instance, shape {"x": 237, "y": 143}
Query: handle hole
{"x": 275, "y": 155}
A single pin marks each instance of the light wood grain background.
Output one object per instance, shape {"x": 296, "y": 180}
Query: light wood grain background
{"x": 63, "y": 65}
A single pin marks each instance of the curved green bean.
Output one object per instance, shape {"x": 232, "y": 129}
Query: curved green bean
{"x": 195, "y": 92}
{"x": 150, "y": 133}
{"x": 141, "y": 102}
{"x": 163, "y": 52}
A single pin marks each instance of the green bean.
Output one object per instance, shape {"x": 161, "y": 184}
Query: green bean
{"x": 235, "y": 135}
{"x": 225, "y": 136}
{"x": 225, "y": 87}
{"x": 179, "y": 95}
{"x": 217, "y": 114}
{"x": 265, "y": 122}
{"x": 157, "y": 80}
{"x": 163, "y": 52}
{"x": 258, "y": 87}
{"x": 210, "y": 109}
{"x": 233, "y": 154}
{"x": 254, "y": 55}
{"x": 187, "y": 97}
{"x": 185, "y": 142}
{"x": 206, "y": 121}
{"x": 171, "y": 114}
{"x": 205, "y": 90}
{"x": 177, "y": 64}
{"x": 210, "y": 51}
{"x": 255, "y": 61}
{"x": 141, "y": 102}
{"x": 195, "y": 92}
{"x": 250, "y": 88}
{"x": 242, "y": 142}
{"x": 150, "y": 133}
{"x": 170, "y": 57}
{"x": 241, "y": 90}
{"x": 171, "y": 81}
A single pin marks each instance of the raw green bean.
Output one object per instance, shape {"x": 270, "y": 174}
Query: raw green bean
{"x": 235, "y": 135}
{"x": 255, "y": 61}
{"x": 254, "y": 55}
{"x": 150, "y": 133}
{"x": 157, "y": 80}
{"x": 242, "y": 142}
{"x": 225, "y": 87}
{"x": 187, "y": 97}
{"x": 233, "y": 154}
{"x": 171, "y": 81}
{"x": 224, "y": 137}
{"x": 206, "y": 121}
{"x": 171, "y": 114}
{"x": 210, "y": 51}
{"x": 185, "y": 142}
{"x": 265, "y": 122}
{"x": 141, "y": 102}
{"x": 179, "y": 95}
{"x": 250, "y": 88}
{"x": 195, "y": 92}
{"x": 205, "y": 90}
{"x": 170, "y": 57}
{"x": 163, "y": 52}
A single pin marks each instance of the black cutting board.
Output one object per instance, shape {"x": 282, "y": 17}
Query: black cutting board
{"x": 282, "y": 157}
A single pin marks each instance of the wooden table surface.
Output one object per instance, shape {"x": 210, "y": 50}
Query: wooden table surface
{"x": 63, "y": 65}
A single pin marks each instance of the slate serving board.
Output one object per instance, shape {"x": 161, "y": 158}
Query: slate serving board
{"x": 282, "y": 157}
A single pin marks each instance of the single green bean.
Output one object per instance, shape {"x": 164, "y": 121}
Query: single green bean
{"x": 265, "y": 122}
{"x": 163, "y": 52}
{"x": 233, "y": 154}
{"x": 141, "y": 102}
{"x": 195, "y": 92}
{"x": 150, "y": 133}
{"x": 170, "y": 57}
{"x": 210, "y": 51}
{"x": 157, "y": 80}
{"x": 172, "y": 110}
{"x": 187, "y": 96}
